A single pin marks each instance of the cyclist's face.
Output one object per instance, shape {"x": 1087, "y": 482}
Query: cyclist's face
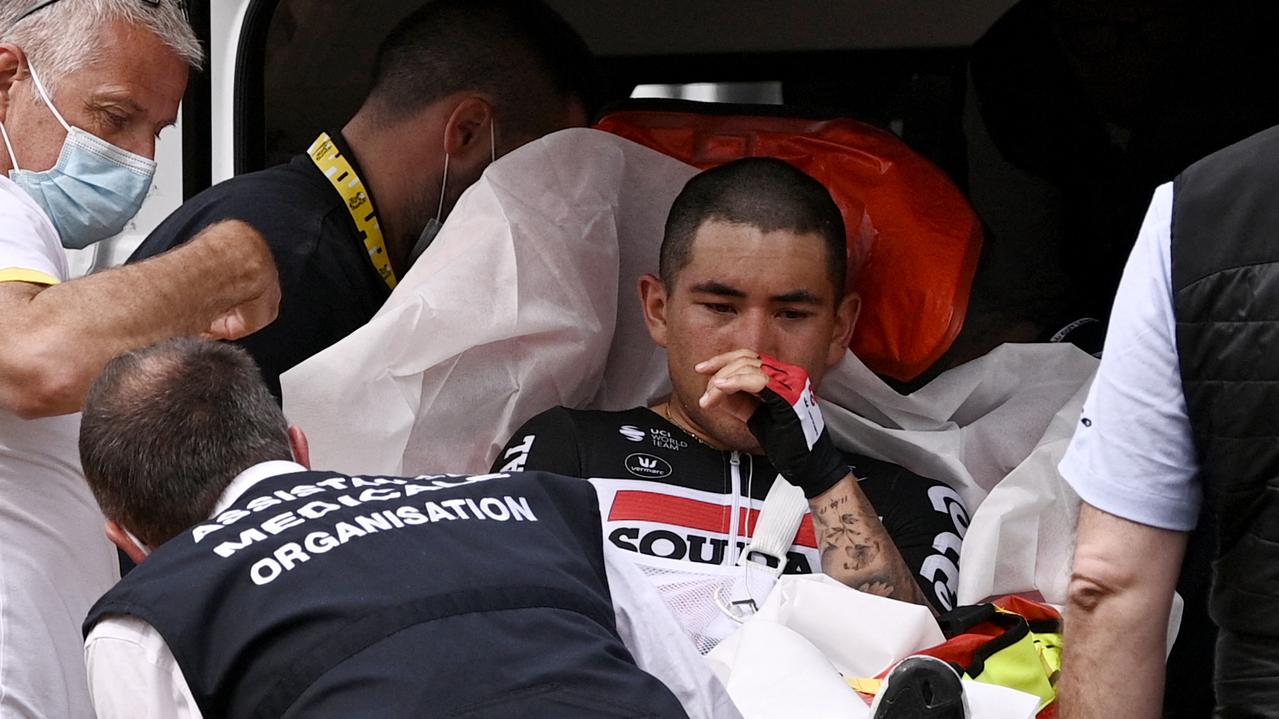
{"x": 769, "y": 292}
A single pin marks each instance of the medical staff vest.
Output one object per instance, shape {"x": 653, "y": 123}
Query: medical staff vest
{"x": 1225, "y": 283}
{"x": 320, "y": 595}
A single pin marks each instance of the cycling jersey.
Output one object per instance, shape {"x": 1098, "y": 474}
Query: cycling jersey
{"x": 667, "y": 496}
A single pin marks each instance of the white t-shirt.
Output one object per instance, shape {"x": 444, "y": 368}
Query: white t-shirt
{"x": 30, "y": 250}
{"x": 132, "y": 672}
{"x": 55, "y": 560}
{"x": 1132, "y": 454}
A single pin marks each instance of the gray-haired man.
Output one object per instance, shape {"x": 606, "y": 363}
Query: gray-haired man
{"x": 85, "y": 88}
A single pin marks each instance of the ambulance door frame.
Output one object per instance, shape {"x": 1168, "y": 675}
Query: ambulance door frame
{"x": 236, "y": 36}
{"x": 197, "y": 121}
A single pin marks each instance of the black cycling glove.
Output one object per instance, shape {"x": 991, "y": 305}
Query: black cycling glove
{"x": 789, "y": 426}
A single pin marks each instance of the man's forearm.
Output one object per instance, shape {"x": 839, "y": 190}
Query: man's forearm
{"x": 855, "y": 546}
{"x": 61, "y": 336}
{"x": 1117, "y": 617}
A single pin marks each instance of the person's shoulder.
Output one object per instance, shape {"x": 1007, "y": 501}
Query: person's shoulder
{"x": 15, "y": 203}
{"x": 565, "y": 440}
{"x": 28, "y": 239}
{"x": 124, "y": 628}
{"x": 1245, "y": 157}
{"x": 289, "y": 187}
{"x": 287, "y": 203}
{"x": 631, "y": 425}
{"x": 590, "y": 421}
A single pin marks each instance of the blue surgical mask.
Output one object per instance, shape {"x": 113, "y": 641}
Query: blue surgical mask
{"x": 434, "y": 224}
{"x": 93, "y": 190}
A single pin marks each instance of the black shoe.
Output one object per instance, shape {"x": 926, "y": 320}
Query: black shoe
{"x": 921, "y": 687}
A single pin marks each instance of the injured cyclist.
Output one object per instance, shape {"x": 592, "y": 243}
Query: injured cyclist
{"x": 750, "y": 304}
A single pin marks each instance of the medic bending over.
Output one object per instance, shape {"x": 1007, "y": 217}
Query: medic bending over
{"x": 751, "y": 308}
{"x": 266, "y": 589}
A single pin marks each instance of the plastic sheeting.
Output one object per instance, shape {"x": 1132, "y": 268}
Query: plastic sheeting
{"x": 527, "y": 300}
{"x": 791, "y": 657}
{"x": 1005, "y": 417}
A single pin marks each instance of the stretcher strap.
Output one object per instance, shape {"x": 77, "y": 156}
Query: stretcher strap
{"x": 779, "y": 519}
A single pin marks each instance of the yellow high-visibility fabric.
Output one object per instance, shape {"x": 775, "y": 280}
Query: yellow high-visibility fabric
{"x": 19, "y": 274}
{"x": 1030, "y": 664}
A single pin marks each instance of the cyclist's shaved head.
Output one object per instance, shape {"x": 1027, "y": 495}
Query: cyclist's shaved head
{"x": 764, "y": 193}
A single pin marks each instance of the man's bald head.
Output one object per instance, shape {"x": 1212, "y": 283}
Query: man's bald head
{"x": 166, "y": 428}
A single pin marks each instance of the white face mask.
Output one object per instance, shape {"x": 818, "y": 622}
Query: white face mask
{"x": 434, "y": 224}
{"x": 92, "y": 191}
{"x": 142, "y": 546}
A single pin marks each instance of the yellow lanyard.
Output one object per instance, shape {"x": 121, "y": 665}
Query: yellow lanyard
{"x": 326, "y": 156}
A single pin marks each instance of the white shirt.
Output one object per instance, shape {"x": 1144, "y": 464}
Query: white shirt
{"x": 30, "y": 250}
{"x": 133, "y": 674}
{"x": 55, "y": 560}
{"x": 1132, "y": 454}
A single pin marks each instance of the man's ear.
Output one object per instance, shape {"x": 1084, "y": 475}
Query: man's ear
{"x": 12, "y": 60}
{"x": 121, "y": 539}
{"x": 467, "y": 131}
{"x": 653, "y": 299}
{"x": 301, "y": 448}
{"x": 846, "y": 314}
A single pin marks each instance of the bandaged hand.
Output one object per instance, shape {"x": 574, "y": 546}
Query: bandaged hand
{"x": 785, "y": 417}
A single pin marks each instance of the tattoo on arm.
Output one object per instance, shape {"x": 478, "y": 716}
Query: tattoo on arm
{"x": 855, "y": 547}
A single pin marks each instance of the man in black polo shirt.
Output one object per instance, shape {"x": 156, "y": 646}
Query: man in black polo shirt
{"x": 750, "y": 307}
{"x": 455, "y": 85}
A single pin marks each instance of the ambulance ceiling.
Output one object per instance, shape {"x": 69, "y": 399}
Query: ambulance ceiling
{"x": 679, "y": 27}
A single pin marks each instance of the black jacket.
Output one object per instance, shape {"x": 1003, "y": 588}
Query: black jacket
{"x": 1225, "y": 282}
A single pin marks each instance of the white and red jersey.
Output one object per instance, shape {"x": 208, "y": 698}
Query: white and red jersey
{"x": 687, "y": 510}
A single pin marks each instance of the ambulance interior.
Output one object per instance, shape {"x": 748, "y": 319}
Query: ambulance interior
{"x": 1036, "y": 130}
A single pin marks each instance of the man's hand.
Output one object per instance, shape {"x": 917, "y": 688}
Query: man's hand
{"x": 255, "y": 298}
{"x": 736, "y": 378}
{"x": 776, "y": 401}
{"x": 222, "y": 284}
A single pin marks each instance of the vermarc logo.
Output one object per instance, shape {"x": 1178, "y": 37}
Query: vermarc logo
{"x": 647, "y": 466}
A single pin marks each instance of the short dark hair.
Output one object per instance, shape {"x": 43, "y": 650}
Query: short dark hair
{"x": 520, "y": 52}
{"x": 761, "y": 192}
{"x": 166, "y": 428}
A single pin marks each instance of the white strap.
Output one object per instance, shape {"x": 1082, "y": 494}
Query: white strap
{"x": 784, "y": 509}
{"x": 45, "y": 96}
